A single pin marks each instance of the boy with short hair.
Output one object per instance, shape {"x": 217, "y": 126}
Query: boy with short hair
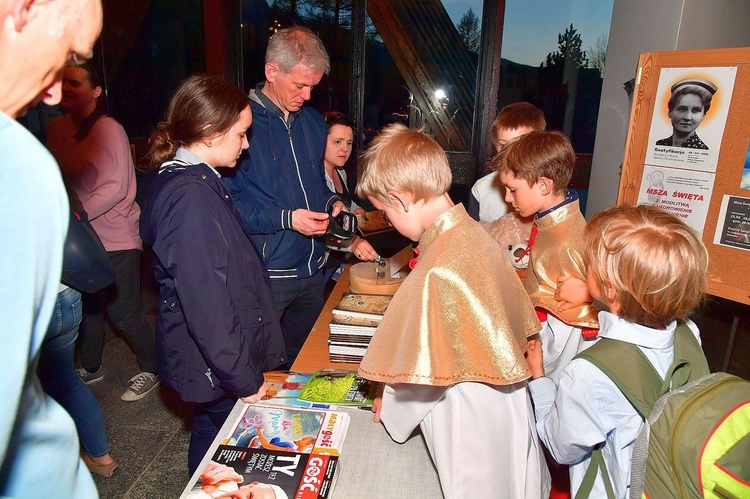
{"x": 649, "y": 268}
{"x": 450, "y": 347}
{"x": 486, "y": 201}
{"x": 535, "y": 170}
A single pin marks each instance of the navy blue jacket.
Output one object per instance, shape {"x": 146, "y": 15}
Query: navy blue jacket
{"x": 217, "y": 328}
{"x": 282, "y": 171}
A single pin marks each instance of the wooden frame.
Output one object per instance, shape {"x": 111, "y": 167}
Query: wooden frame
{"x": 728, "y": 267}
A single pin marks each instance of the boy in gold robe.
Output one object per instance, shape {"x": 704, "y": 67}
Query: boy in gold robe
{"x": 535, "y": 170}
{"x": 451, "y": 345}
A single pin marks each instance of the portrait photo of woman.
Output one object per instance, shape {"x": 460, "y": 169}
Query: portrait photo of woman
{"x": 688, "y": 105}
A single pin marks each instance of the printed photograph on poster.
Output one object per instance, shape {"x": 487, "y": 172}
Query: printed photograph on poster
{"x": 733, "y": 228}
{"x": 745, "y": 181}
{"x": 685, "y": 193}
{"x": 690, "y": 114}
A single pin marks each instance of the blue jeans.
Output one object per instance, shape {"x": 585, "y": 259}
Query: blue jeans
{"x": 207, "y": 421}
{"x": 60, "y": 380}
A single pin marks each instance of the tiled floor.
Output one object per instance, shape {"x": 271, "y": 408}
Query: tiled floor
{"x": 149, "y": 437}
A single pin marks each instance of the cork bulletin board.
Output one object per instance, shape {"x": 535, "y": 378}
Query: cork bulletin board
{"x": 688, "y": 151}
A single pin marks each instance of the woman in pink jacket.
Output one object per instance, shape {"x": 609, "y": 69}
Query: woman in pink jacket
{"x": 94, "y": 154}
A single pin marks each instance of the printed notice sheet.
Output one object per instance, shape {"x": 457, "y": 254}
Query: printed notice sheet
{"x": 733, "y": 227}
{"x": 685, "y": 193}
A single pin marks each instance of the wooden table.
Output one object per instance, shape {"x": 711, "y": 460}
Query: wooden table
{"x": 372, "y": 465}
{"x": 314, "y": 353}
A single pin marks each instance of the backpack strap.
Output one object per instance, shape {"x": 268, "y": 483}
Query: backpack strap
{"x": 587, "y": 484}
{"x": 629, "y": 369}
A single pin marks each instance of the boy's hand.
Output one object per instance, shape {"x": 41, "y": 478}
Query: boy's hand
{"x": 572, "y": 292}
{"x": 377, "y": 405}
{"x": 535, "y": 359}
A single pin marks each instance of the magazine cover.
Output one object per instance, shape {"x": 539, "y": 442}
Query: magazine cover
{"x": 370, "y": 304}
{"x": 289, "y": 429}
{"x": 340, "y": 387}
{"x": 265, "y": 474}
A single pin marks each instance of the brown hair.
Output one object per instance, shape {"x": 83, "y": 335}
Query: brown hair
{"x": 515, "y": 116}
{"x": 203, "y": 106}
{"x": 652, "y": 260}
{"x": 337, "y": 118}
{"x": 92, "y": 76}
{"x": 538, "y": 154}
{"x": 405, "y": 160}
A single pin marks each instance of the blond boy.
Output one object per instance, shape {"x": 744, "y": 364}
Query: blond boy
{"x": 451, "y": 346}
{"x": 649, "y": 268}
{"x": 535, "y": 170}
{"x": 486, "y": 201}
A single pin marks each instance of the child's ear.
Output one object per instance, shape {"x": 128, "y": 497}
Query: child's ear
{"x": 612, "y": 300}
{"x": 404, "y": 199}
{"x": 546, "y": 185}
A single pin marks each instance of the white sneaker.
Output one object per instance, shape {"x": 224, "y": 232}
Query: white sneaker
{"x": 139, "y": 386}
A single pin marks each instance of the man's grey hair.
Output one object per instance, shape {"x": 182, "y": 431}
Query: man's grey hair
{"x": 297, "y": 45}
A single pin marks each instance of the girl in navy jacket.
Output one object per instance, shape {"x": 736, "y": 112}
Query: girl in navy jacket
{"x": 217, "y": 330}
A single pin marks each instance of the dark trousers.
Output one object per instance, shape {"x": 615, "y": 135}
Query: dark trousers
{"x": 298, "y": 302}
{"x": 122, "y": 301}
{"x": 208, "y": 419}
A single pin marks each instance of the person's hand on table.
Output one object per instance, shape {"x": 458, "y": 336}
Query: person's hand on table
{"x": 251, "y": 399}
{"x": 363, "y": 250}
{"x": 377, "y": 404}
{"x": 309, "y": 223}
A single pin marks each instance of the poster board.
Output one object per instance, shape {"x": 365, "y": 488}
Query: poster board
{"x": 699, "y": 171}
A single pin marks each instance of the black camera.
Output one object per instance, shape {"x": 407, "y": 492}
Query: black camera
{"x": 342, "y": 226}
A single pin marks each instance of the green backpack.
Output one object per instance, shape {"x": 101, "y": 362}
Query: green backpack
{"x": 696, "y": 440}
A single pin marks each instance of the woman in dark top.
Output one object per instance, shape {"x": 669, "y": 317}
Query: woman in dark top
{"x": 339, "y": 143}
{"x": 217, "y": 329}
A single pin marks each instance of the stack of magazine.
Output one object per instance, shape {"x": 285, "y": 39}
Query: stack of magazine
{"x": 292, "y": 452}
{"x": 354, "y": 321}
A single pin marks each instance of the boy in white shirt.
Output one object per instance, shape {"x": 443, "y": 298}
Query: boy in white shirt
{"x": 450, "y": 346}
{"x": 649, "y": 268}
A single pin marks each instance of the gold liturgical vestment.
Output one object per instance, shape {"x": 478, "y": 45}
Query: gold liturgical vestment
{"x": 460, "y": 315}
{"x": 557, "y": 252}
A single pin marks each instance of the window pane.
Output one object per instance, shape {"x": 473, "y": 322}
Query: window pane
{"x": 421, "y": 67}
{"x": 553, "y": 54}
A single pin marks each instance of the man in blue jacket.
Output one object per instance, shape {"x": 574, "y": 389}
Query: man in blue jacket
{"x": 279, "y": 188}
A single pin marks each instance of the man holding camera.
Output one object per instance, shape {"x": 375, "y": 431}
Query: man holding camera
{"x": 279, "y": 187}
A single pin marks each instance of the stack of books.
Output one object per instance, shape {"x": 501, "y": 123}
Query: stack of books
{"x": 355, "y": 319}
{"x": 275, "y": 452}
